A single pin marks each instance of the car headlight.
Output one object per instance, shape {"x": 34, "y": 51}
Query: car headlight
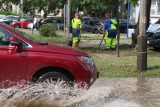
{"x": 86, "y": 60}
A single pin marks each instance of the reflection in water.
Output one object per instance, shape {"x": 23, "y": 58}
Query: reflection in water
{"x": 106, "y": 92}
{"x": 142, "y": 91}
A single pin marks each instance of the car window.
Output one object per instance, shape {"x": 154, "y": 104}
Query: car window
{"x": 30, "y": 20}
{"x": 91, "y": 23}
{"x": 47, "y": 20}
{"x": 54, "y": 21}
{"x": 86, "y": 22}
{"x": 4, "y": 37}
{"x": 158, "y": 22}
{"x": 97, "y": 22}
{"x": 24, "y": 35}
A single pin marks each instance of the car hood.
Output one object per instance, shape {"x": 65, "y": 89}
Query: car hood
{"x": 153, "y": 28}
{"x": 59, "y": 49}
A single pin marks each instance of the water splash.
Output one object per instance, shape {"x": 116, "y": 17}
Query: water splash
{"x": 59, "y": 95}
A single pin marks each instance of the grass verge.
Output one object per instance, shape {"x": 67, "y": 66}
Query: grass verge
{"x": 51, "y": 38}
{"x": 110, "y": 65}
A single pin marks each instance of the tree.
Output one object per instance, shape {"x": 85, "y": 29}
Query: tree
{"x": 48, "y": 6}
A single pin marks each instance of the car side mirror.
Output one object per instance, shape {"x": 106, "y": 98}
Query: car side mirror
{"x": 15, "y": 42}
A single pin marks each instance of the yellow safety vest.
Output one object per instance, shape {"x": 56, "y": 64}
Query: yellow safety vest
{"x": 113, "y": 25}
{"x": 76, "y": 22}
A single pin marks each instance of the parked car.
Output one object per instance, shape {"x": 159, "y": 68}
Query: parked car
{"x": 56, "y": 22}
{"x": 90, "y": 18}
{"x": 91, "y": 26}
{"x": 2, "y": 17}
{"x": 153, "y": 35}
{"x": 23, "y": 23}
{"x": 23, "y": 58}
{"x": 123, "y": 25}
{"x": 9, "y": 19}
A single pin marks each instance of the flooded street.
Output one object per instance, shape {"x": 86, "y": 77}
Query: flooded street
{"x": 106, "y": 92}
{"x": 143, "y": 92}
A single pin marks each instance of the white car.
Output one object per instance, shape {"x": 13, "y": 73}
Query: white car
{"x": 30, "y": 26}
{"x": 2, "y": 17}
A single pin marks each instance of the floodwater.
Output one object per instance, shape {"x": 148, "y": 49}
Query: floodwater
{"x": 106, "y": 92}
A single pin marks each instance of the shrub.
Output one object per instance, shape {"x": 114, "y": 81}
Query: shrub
{"x": 47, "y": 30}
{"x": 5, "y": 12}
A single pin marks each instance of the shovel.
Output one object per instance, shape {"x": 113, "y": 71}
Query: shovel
{"x": 100, "y": 42}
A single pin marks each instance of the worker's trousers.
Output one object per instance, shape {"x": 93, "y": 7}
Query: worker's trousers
{"x": 110, "y": 39}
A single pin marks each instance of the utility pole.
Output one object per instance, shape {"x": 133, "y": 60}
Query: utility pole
{"x": 142, "y": 39}
{"x": 118, "y": 34}
{"x": 21, "y": 5}
{"x": 68, "y": 23}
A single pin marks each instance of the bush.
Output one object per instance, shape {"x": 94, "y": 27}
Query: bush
{"x": 5, "y": 12}
{"x": 47, "y": 30}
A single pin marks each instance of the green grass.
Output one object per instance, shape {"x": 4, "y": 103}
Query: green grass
{"x": 52, "y": 38}
{"x": 110, "y": 65}
{"x": 63, "y": 38}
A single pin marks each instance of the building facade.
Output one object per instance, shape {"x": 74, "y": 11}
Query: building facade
{"x": 155, "y": 11}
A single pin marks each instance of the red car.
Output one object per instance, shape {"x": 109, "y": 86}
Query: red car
{"x": 22, "y": 23}
{"x": 23, "y": 58}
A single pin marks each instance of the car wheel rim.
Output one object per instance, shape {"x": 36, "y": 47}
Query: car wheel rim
{"x": 96, "y": 31}
{"x": 16, "y": 26}
{"x": 54, "y": 81}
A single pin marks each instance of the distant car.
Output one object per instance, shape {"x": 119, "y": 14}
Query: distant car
{"x": 12, "y": 18}
{"x": 9, "y": 19}
{"x": 153, "y": 35}
{"x": 23, "y": 23}
{"x": 2, "y": 17}
{"x": 90, "y": 18}
{"x": 30, "y": 26}
{"x": 55, "y": 22}
{"x": 123, "y": 25}
{"x": 91, "y": 26}
{"x": 5, "y": 21}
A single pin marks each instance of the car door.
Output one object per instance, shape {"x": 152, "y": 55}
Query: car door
{"x": 85, "y": 25}
{"x": 12, "y": 64}
{"x": 91, "y": 26}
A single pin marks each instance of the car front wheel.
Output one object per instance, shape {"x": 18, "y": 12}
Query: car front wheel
{"x": 53, "y": 78}
{"x": 96, "y": 31}
{"x": 156, "y": 48}
{"x": 16, "y": 26}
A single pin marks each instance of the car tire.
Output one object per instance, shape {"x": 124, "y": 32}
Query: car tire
{"x": 96, "y": 31}
{"x": 16, "y": 26}
{"x": 53, "y": 77}
{"x": 156, "y": 48}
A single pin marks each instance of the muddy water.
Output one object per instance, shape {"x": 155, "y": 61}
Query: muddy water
{"x": 143, "y": 92}
{"x": 106, "y": 92}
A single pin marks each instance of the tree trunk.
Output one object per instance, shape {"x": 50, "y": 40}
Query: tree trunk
{"x": 148, "y": 13}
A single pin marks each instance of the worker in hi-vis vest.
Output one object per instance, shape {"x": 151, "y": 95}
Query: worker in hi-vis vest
{"x": 110, "y": 32}
{"x": 76, "y": 31}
